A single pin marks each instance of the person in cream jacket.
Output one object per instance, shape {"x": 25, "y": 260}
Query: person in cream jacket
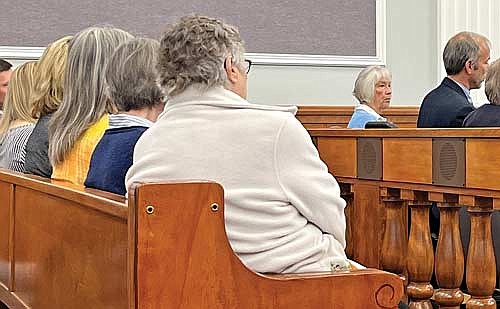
{"x": 283, "y": 210}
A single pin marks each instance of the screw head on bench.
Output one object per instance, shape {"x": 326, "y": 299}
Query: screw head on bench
{"x": 214, "y": 207}
{"x": 150, "y": 209}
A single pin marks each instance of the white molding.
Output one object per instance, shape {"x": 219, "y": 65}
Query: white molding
{"x": 20, "y": 52}
{"x": 30, "y": 53}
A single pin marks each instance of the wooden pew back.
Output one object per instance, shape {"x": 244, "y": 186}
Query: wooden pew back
{"x": 313, "y": 117}
{"x": 68, "y": 247}
{"x": 204, "y": 272}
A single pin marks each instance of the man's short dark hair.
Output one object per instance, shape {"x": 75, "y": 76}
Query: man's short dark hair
{"x": 4, "y": 65}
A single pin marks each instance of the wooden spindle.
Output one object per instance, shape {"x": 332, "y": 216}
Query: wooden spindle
{"x": 481, "y": 267}
{"x": 349, "y": 249}
{"x": 449, "y": 266}
{"x": 393, "y": 244}
{"x": 420, "y": 261}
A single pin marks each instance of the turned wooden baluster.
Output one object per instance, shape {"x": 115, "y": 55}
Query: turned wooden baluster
{"x": 481, "y": 267}
{"x": 394, "y": 242}
{"x": 449, "y": 266}
{"x": 420, "y": 261}
{"x": 349, "y": 249}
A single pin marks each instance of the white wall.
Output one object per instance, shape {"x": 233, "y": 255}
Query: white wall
{"x": 470, "y": 15}
{"x": 411, "y": 56}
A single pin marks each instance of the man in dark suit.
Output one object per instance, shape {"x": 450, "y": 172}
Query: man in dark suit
{"x": 465, "y": 58}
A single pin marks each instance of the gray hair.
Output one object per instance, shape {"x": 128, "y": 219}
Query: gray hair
{"x": 131, "y": 76}
{"x": 460, "y": 48}
{"x": 194, "y": 50}
{"x": 364, "y": 87}
{"x": 492, "y": 84}
{"x": 84, "y": 101}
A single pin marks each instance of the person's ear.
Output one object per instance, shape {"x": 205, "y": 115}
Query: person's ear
{"x": 231, "y": 70}
{"x": 469, "y": 66}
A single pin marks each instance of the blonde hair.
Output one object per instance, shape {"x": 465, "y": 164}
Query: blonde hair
{"x": 16, "y": 106}
{"x": 48, "y": 91}
{"x": 84, "y": 101}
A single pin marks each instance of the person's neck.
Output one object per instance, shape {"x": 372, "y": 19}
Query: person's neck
{"x": 460, "y": 78}
{"x": 146, "y": 113}
{"x": 377, "y": 109}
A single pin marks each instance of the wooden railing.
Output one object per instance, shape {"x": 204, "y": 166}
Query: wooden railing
{"x": 338, "y": 116}
{"x": 385, "y": 172}
{"x": 62, "y": 246}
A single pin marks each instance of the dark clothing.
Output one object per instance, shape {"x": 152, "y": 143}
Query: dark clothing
{"x": 37, "y": 148}
{"x": 444, "y": 107}
{"x": 112, "y": 158}
{"x": 487, "y": 115}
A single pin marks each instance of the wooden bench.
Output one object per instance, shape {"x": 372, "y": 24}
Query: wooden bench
{"x": 339, "y": 116}
{"x": 65, "y": 247}
{"x": 385, "y": 174}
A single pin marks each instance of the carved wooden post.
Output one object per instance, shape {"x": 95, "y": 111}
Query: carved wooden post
{"x": 420, "y": 261}
{"x": 449, "y": 257}
{"x": 347, "y": 194}
{"x": 393, "y": 244}
{"x": 481, "y": 268}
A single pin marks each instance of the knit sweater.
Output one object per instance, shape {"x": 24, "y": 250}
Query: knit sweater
{"x": 112, "y": 158}
{"x": 75, "y": 166}
{"x": 283, "y": 210}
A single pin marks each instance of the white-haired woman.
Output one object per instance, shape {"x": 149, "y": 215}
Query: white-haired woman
{"x": 373, "y": 91}
{"x": 132, "y": 87}
{"x": 81, "y": 119}
{"x": 283, "y": 212}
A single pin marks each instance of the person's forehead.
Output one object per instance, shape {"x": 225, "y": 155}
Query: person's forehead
{"x": 5, "y": 76}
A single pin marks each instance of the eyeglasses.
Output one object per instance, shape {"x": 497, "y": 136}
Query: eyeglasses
{"x": 247, "y": 64}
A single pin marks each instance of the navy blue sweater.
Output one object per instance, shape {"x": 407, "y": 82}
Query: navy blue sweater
{"x": 112, "y": 158}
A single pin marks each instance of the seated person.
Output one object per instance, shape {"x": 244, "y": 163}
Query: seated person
{"x": 373, "y": 91}
{"x": 283, "y": 210}
{"x": 46, "y": 97}
{"x": 488, "y": 115}
{"x": 131, "y": 78}
{"x": 17, "y": 124}
{"x": 78, "y": 124}
{"x": 5, "y": 73}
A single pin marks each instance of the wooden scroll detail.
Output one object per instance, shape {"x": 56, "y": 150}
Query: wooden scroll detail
{"x": 449, "y": 266}
{"x": 481, "y": 268}
{"x": 393, "y": 244}
{"x": 420, "y": 261}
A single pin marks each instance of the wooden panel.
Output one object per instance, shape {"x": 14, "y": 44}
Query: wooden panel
{"x": 339, "y": 116}
{"x": 408, "y": 160}
{"x": 5, "y": 198}
{"x": 202, "y": 271}
{"x": 339, "y": 154}
{"x": 68, "y": 255}
{"x": 482, "y": 163}
{"x": 367, "y": 224}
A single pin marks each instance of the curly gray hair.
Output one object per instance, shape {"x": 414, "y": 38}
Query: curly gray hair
{"x": 193, "y": 51}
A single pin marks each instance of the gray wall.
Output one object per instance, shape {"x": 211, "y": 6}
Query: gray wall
{"x": 411, "y": 56}
{"x": 268, "y": 26}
